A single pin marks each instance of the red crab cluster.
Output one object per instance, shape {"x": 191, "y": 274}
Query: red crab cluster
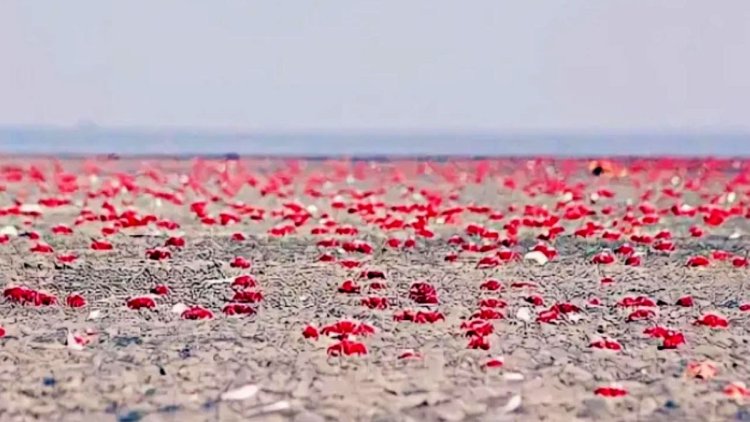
{"x": 619, "y": 221}
{"x": 26, "y": 296}
{"x": 344, "y": 332}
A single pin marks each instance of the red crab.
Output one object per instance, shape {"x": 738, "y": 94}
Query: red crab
{"x": 310, "y": 332}
{"x": 419, "y": 317}
{"x": 75, "y": 300}
{"x": 237, "y": 309}
{"x": 247, "y": 296}
{"x": 160, "y": 289}
{"x": 101, "y": 245}
{"x": 672, "y": 340}
{"x": 141, "y": 302}
{"x": 478, "y": 342}
{"x": 494, "y": 363}
{"x": 349, "y": 263}
{"x": 698, "y": 261}
{"x": 349, "y": 287}
{"x": 606, "y": 344}
{"x": 67, "y": 258}
{"x": 685, "y": 302}
{"x": 24, "y": 296}
{"x": 639, "y": 301}
{"x": 345, "y": 328}
{"x": 375, "y": 302}
{"x": 409, "y": 354}
{"x": 477, "y": 327}
{"x": 610, "y": 391}
{"x": 240, "y": 262}
{"x": 491, "y": 284}
{"x": 347, "y": 348}
{"x": 41, "y": 247}
{"x": 197, "y": 312}
{"x": 492, "y": 302}
{"x": 243, "y": 282}
{"x": 641, "y": 315}
{"x": 423, "y": 293}
{"x": 157, "y": 254}
{"x": 603, "y": 258}
{"x": 174, "y": 241}
{"x": 548, "y": 316}
{"x": 487, "y": 314}
{"x": 712, "y": 320}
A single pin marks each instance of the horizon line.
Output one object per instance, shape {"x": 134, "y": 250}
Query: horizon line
{"x": 228, "y": 131}
{"x": 94, "y": 140}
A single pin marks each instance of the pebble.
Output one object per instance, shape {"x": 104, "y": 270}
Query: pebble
{"x": 577, "y": 374}
{"x": 597, "y": 409}
{"x": 306, "y": 416}
{"x": 451, "y": 411}
{"x": 648, "y": 406}
{"x": 132, "y": 416}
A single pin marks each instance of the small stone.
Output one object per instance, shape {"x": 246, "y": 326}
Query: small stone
{"x": 474, "y": 408}
{"x": 576, "y": 374}
{"x": 132, "y": 416}
{"x": 597, "y": 409}
{"x": 648, "y": 406}
{"x": 171, "y": 408}
{"x": 671, "y": 404}
{"x": 726, "y": 409}
{"x": 308, "y": 417}
{"x": 450, "y": 411}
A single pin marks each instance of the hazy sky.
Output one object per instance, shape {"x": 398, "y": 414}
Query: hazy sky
{"x": 392, "y": 65}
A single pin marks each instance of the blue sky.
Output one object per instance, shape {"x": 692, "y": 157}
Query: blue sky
{"x": 486, "y": 65}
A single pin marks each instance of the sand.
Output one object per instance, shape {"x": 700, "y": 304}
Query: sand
{"x": 151, "y": 365}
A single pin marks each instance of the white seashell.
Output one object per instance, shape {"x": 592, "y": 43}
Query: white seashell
{"x": 179, "y": 308}
{"x": 220, "y": 280}
{"x": 523, "y": 314}
{"x": 537, "y": 257}
{"x": 242, "y": 393}
{"x": 686, "y": 208}
{"x": 72, "y": 343}
{"x": 513, "y": 404}
{"x": 513, "y": 376}
{"x": 11, "y": 231}
{"x": 275, "y": 407}
{"x": 575, "y": 317}
{"x": 30, "y": 208}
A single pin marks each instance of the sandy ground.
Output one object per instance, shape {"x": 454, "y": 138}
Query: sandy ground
{"x": 154, "y": 366}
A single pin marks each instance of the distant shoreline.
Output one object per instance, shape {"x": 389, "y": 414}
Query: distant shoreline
{"x": 82, "y": 141}
{"x": 355, "y": 158}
